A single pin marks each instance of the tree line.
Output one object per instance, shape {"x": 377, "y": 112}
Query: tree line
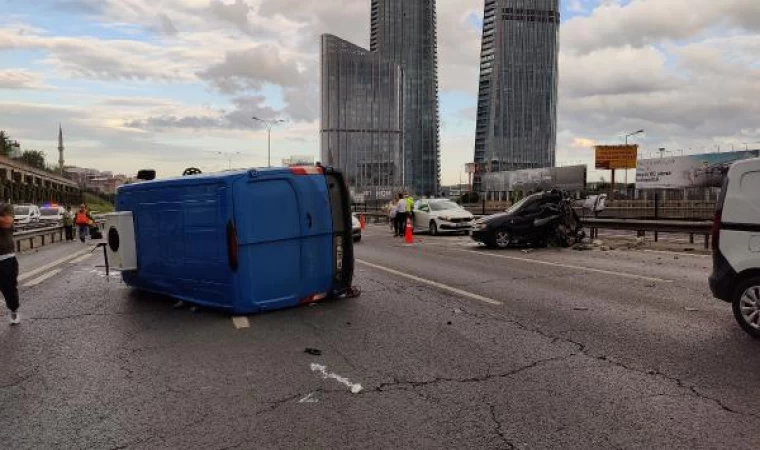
{"x": 34, "y": 158}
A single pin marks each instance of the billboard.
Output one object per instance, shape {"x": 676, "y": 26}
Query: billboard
{"x": 616, "y": 156}
{"x": 572, "y": 178}
{"x": 707, "y": 170}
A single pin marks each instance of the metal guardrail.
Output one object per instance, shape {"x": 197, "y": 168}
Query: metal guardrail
{"x": 691, "y": 228}
{"x": 20, "y": 237}
{"x": 39, "y": 237}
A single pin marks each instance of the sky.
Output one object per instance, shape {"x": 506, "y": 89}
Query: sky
{"x": 170, "y": 84}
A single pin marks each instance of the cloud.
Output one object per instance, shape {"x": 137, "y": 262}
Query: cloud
{"x": 21, "y": 79}
{"x": 251, "y": 68}
{"x": 239, "y": 118}
{"x": 645, "y": 22}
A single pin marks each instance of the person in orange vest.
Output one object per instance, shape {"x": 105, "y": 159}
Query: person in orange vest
{"x": 82, "y": 221}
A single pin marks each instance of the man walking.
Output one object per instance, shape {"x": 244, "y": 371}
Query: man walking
{"x": 82, "y": 221}
{"x": 8, "y": 263}
{"x": 401, "y": 214}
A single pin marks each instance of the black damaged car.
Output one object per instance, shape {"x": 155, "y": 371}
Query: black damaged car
{"x": 539, "y": 220}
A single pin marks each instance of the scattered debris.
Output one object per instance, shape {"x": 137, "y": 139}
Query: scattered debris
{"x": 313, "y": 351}
{"x": 348, "y": 323}
{"x": 583, "y": 247}
{"x": 691, "y": 309}
{"x": 448, "y": 323}
{"x": 604, "y": 248}
{"x": 354, "y": 387}
{"x": 597, "y": 243}
{"x": 241, "y": 322}
{"x": 689, "y": 249}
{"x": 193, "y": 309}
{"x": 528, "y": 250}
{"x": 651, "y": 285}
{"x": 309, "y": 399}
{"x": 178, "y": 305}
{"x": 676, "y": 257}
{"x": 580, "y": 308}
{"x": 651, "y": 372}
{"x": 457, "y": 311}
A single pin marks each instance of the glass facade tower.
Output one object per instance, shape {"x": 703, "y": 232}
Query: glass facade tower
{"x": 362, "y": 118}
{"x": 517, "y": 100}
{"x": 405, "y": 31}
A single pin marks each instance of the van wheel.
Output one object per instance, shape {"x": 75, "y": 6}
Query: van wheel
{"x": 746, "y": 306}
{"x": 433, "y": 228}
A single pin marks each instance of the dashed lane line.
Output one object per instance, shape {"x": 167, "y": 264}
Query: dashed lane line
{"x": 42, "y": 278}
{"x": 565, "y": 266}
{"x": 39, "y": 270}
{"x": 434, "y": 284}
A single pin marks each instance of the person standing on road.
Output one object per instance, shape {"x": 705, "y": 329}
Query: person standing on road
{"x": 401, "y": 213}
{"x": 82, "y": 222}
{"x": 392, "y": 216}
{"x": 8, "y": 263}
{"x": 68, "y": 224}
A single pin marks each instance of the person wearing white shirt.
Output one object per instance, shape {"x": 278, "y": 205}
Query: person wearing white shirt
{"x": 401, "y": 214}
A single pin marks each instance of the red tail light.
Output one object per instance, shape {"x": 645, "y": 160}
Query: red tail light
{"x": 307, "y": 170}
{"x": 717, "y": 222}
{"x": 232, "y": 246}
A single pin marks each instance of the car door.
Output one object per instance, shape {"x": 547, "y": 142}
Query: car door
{"x": 421, "y": 215}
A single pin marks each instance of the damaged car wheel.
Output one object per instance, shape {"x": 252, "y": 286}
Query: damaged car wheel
{"x": 503, "y": 239}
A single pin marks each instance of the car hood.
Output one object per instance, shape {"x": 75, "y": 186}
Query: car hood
{"x": 496, "y": 218}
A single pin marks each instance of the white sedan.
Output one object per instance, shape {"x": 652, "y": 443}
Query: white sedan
{"x": 441, "y": 216}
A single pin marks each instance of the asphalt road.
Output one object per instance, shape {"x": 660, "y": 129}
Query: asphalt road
{"x": 449, "y": 346}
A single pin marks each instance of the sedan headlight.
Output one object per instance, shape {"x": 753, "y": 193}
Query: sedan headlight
{"x": 479, "y": 226}
{"x": 445, "y": 218}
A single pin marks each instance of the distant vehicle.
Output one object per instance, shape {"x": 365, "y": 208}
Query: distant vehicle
{"x": 538, "y": 220}
{"x": 439, "y": 216}
{"x": 245, "y": 242}
{"x": 52, "y": 214}
{"x": 356, "y": 228}
{"x": 736, "y": 244}
{"x": 595, "y": 203}
{"x": 26, "y": 214}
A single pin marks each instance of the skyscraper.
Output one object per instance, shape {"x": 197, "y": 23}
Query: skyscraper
{"x": 362, "y": 126}
{"x": 405, "y": 31}
{"x": 517, "y": 100}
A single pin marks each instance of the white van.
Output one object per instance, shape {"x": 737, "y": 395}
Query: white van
{"x": 26, "y": 214}
{"x": 52, "y": 214}
{"x": 736, "y": 244}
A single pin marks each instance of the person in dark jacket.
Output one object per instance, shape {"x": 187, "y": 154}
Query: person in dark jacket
{"x": 8, "y": 263}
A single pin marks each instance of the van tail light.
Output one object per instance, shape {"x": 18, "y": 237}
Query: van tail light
{"x": 307, "y": 170}
{"x": 717, "y": 222}
{"x": 232, "y": 246}
{"x": 313, "y": 298}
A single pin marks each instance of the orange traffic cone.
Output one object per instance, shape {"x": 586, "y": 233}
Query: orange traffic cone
{"x": 362, "y": 221}
{"x": 409, "y": 235}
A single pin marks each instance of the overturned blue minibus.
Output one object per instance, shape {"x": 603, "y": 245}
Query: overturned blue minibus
{"x": 244, "y": 241}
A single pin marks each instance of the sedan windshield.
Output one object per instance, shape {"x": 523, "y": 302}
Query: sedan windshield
{"x": 21, "y": 210}
{"x": 517, "y": 206}
{"x": 444, "y": 206}
{"x": 49, "y": 211}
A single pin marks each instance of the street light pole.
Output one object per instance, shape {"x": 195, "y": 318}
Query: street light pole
{"x": 612, "y": 197}
{"x": 269, "y": 124}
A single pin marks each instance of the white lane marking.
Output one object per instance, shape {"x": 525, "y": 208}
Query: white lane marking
{"x": 241, "y": 322}
{"x": 355, "y": 388}
{"x": 566, "y": 266}
{"x": 677, "y": 253}
{"x": 309, "y": 399}
{"x": 433, "y": 283}
{"x": 42, "y": 278}
{"x": 39, "y": 270}
{"x": 81, "y": 258}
